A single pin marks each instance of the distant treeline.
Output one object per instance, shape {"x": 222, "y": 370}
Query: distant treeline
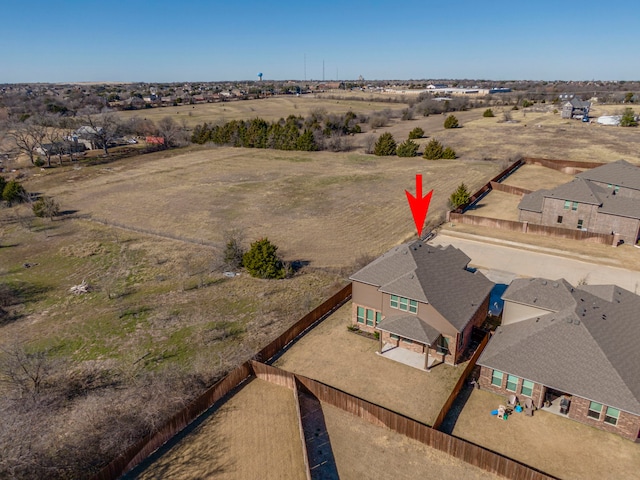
{"x": 319, "y": 131}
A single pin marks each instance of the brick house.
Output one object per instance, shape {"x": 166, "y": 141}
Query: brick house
{"x": 575, "y": 108}
{"x": 579, "y": 344}
{"x": 605, "y": 199}
{"x": 421, "y": 298}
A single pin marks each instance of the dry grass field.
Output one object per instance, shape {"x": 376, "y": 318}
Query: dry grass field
{"x": 363, "y": 451}
{"x": 318, "y": 207}
{"x": 535, "y": 177}
{"x": 270, "y": 109}
{"x": 254, "y": 435}
{"x": 555, "y": 445}
{"x": 347, "y": 361}
{"x": 497, "y": 204}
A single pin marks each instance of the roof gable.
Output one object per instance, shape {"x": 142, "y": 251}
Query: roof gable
{"x": 577, "y": 190}
{"x": 620, "y": 173}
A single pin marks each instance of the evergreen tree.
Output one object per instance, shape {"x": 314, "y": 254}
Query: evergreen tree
{"x": 416, "y": 133}
{"x": 385, "y": 146}
{"x": 408, "y": 148}
{"x": 13, "y": 192}
{"x": 488, "y": 113}
{"x": 307, "y": 142}
{"x": 451, "y": 122}
{"x": 460, "y": 197}
{"x": 628, "y": 118}
{"x": 262, "y": 261}
{"x": 433, "y": 150}
{"x": 448, "y": 153}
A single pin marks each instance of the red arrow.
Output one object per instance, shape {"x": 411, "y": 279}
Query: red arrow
{"x": 419, "y": 204}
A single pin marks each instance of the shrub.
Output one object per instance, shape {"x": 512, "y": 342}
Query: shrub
{"x": 628, "y": 118}
{"x": 13, "y": 192}
{"x": 448, "y": 153}
{"x": 46, "y": 207}
{"x": 526, "y": 103}
{"x": 262, "y": 261}
{"x": 407, "y": 114}
{"x": 460, "y": 196}
{"x": 386, "y": 145}
{"x": 451, "y": 122}
{"x": 433, "y": 150}
{"x": 233, "y": 251}
{"x": 416, "y": 133}
{"x": 488, "y": 113}
{"x": 408, "y": 148}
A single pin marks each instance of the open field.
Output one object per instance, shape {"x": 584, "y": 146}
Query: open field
{"x": 318, "y": 207}
{"x": 363, "y": 450}
{"x": 554, "y": 444}
{"x": 270, "y": 109}
{"x": 253, "y": 435}
{"x": 347, "y": 361}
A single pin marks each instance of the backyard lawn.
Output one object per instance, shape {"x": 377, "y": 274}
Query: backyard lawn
{"x": 345, "y": 360}
{"x": 556, "y": 445}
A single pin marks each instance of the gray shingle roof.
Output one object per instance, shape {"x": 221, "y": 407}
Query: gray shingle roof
{"x": 541, "y": 293}
{"x": 578, "y": 190}
{"x": 589, "y": 348}
{"x": 532, "y": 202}
{"x": 620, "y": 173}
{"x": 620, "y": 206}
{"x": 428, "y": 274}
{"x": 411, "y": 327}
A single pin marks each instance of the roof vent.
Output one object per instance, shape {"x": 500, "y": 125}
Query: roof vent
{"x": 535, "y": 299}
{"x": 582, "y": 299}
{"x": 604, "y": 316}
{"x": 556, "y": 285}
{"x": 411, "y": 276}
{"x": 577, "y": 322}
{"x": 537, "y": 319}
{"x": 544, "y": 282}
{"x": 569, "y": 320}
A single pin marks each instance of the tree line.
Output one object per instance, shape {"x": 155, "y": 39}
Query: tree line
{"x": 319, "y": 131}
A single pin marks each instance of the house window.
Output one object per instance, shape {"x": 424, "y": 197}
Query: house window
{"x": 443, "y": 345}
{"x": 611, "y": 416}
{"x": 395, "y": 337}
{"x": 567, "y": 204}
{"x": 370, "y": 317}
{"x": 512, "y": 383}
{"x": 527, "y": 388}
{"x": 405, "y": 304}
{"x": 407, "y": 341}
{"x": 378, "y": 317}
{"x": 574, "y": 206}
{"x": 594, "y": 410}
{"x": 496, "y": 378}
{"x": 579, "y": 227}
{"x": 360, "y": 315}
{"x": 559, "y": 218}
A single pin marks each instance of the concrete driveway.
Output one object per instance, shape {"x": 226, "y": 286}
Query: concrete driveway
{"x": 502, "y": 263}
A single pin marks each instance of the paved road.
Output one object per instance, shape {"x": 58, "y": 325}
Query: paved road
{"x": 503, "y": 263}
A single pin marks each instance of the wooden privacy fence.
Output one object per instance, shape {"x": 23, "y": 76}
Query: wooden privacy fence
{"x": 333, "y": 303}
{"x": 501, "y": 187}
{"x": 466, "y": 451}
{"x": 461, "y": 381}
{"x": 567, "y": 166}
{"x": 140, "y": 450}
{"x": 532, "y": 228}
{"x": 147, "y": 445}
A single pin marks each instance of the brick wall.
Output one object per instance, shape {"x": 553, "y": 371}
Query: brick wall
{"x": 402, "y": 343}
{"x": 485, "y": 383}
{"x": 628, "y": 425}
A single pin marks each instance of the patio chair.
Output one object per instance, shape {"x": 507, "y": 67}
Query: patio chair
{"x": 501, "y": 411}
{"x": 512, "y": 400}
{"x": 528, "y": 403}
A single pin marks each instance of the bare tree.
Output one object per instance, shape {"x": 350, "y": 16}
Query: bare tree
{"x": 104, "y": 129}
{"x": 28, "y": 135}
{"x": 24, "y": 372}
{"x": 172, "y": 133}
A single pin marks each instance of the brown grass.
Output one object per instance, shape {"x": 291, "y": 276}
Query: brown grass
{"x": 556, "y": 445}
{"x": 534, "y": 177}
{"x": 345, "y": 360}
{"x": 319, "y": 207}
{"x": 253, "y": 435}
{"x": 497, "y": 205}
{"x": 363, "y": 450}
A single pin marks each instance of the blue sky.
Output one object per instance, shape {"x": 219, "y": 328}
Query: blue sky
{"x": 163, "y": 41}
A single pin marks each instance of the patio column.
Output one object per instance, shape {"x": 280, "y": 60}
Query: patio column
{"x": 380, "y": 337}
{"x": 426, "y": 359}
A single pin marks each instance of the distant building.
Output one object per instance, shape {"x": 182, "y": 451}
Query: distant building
{"x": 575, "y": 108}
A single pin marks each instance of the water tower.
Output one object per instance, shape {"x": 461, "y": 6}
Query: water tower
{"x": 260, "y": 76}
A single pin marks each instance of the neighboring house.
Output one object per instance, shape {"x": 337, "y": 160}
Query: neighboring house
{"x": 578, "y": 343}
{"x": 605, "y": 199}
{"x": 421, "y": 298}
{"x": 575, "y": 108}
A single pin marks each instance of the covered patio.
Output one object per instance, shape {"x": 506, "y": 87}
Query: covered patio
{"x": 413, "y": 359}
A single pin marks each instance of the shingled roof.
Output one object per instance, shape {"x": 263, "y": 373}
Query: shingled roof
{"x": 428, "y": 274}
{"x": 411, "y": 327}
{"x": 620, "y": 173}
{"x": 588, "y": 348}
